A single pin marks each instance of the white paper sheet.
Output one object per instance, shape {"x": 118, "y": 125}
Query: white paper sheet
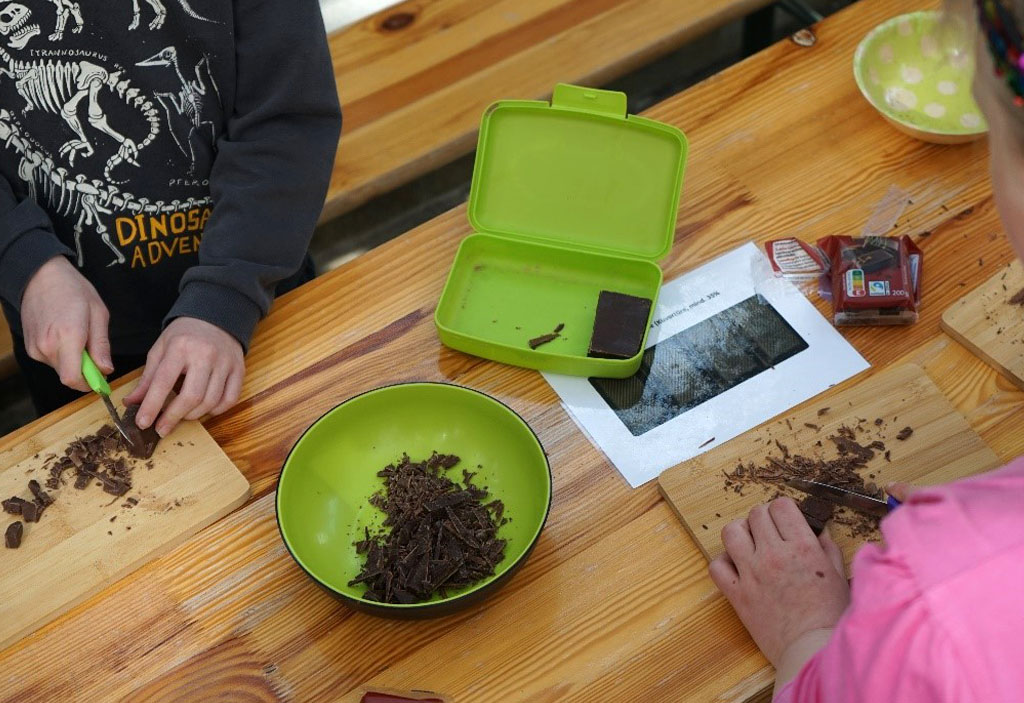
{"x": 730, "y": 280}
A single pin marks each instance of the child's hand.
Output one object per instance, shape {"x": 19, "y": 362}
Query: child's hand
{"x": 62, "y": 314}
{"x": 901, "y": 491}
{"x": 213, "y": 367}
{"x": 784, "y": 582}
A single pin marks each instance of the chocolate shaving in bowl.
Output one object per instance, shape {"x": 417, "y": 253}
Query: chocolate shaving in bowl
{"x": 438, "y": 535}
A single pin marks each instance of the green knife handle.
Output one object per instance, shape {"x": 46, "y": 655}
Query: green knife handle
{"x": 93, "y": 376}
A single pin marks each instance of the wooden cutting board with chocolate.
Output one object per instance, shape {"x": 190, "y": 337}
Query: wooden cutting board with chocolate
{"x": 894, "y": 426}
{"x": 80, "y": 512}
{"x": 990, "y": 322}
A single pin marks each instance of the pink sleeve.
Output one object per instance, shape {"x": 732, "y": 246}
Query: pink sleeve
{"x": 907, "y": 635}
{"x": 886, "y": 646}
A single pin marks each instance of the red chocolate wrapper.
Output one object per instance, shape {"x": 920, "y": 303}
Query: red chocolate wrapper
{"x": 875, "y": 280}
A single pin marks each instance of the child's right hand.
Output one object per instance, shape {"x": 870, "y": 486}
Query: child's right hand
{"x": 900, "y": 491}
{"x": 62, "y": 314}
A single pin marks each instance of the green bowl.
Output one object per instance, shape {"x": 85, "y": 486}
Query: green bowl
{"x": 331, "y": 472}
{"x": 916, "y": 70}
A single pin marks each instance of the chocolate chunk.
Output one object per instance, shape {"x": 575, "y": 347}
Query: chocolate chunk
{"x": 12, "y": 537}
{"x": 619, "y": 325}
{"x": 13, "y": 505}
{"x": 905, "y": 433}
{"x": 817, "y": 511}
{"x": 143, "y": 442}
{"x": 42, "y": 497}
{"x": 1018, "y": 298}
{"x": 30, "y": 511}
{"x": 822, "y": 411}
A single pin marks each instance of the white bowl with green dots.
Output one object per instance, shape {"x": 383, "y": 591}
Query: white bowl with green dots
{"x": 916, "y": 70}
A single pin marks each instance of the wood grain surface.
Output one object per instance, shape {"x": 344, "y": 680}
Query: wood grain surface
{"x": 990, "y": 326}
{"x": 942, "y": 448}
{"x": 89, "y": 539}
{"x": 615, "y": 603}
{"x": 7, "y": 363}
{"x": 414, "y": 79}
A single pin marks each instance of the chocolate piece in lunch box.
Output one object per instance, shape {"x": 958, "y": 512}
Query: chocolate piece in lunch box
{"x": 619, "y": 326}
{"x": 12, "y": 537}
{"x": 874, "y": 280}
{"x": 545, "y": 338}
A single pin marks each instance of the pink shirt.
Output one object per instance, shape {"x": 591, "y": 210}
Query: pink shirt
{"x": 938, "y": 613}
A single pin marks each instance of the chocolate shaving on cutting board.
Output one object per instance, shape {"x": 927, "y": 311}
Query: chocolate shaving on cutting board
{"x": 853, "y": 452}
{"x": 438, "y": 535}
{"x": 103, "y": 458}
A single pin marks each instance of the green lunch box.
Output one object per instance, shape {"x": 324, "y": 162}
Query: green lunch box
{"x": 568, "y": 199}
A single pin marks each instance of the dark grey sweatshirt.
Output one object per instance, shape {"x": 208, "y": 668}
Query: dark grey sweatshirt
{"x": 179, "y": 153}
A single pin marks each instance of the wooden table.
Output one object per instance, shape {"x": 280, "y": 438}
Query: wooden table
{"x": 615, "y": 604}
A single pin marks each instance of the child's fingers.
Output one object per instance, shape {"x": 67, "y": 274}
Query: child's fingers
{"x": 900, "y": 491}
{"x": 723, "y": 573}
{"x": 193, "y": 391}
{"x": 148, "y": 372}
{"x": 762, "y": 527}
{"x": 69, "y": 361}
{"x": 214, "y": 392}
{"x": 790, "y": 522}
{"x": 164, "y": 378}
{"x": 99, "y": 342}
{"x": 232, "y": 390}
{"x": 738, "y": 542}
{"x": 833, "y": 551}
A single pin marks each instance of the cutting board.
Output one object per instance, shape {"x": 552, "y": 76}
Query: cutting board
{"x": 985, "y": 322}
{"x": 75, "y": 550}
{"x": 942, "y": 447}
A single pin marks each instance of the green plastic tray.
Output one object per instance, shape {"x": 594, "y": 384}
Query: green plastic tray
{"x": 568, "y": 199}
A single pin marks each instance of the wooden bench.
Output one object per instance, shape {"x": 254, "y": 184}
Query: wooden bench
{"x": 415, "y": 78}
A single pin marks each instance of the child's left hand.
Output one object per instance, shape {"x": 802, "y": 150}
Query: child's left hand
{"x": 213, "y": 366}
{"x": 785, "y": 584}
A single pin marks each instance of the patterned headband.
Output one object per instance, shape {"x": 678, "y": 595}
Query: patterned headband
{"x": 1005, "y": 45}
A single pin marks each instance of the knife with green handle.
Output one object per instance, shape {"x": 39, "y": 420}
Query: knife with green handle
{"x": 98, "y": 382}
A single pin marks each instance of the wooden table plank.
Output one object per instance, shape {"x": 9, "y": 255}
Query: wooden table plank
{"x": 413, "y": 95}
{"x": 780, "y": 144}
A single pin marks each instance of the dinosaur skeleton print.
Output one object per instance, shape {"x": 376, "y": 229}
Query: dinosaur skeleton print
{"x": 118, "y": 149}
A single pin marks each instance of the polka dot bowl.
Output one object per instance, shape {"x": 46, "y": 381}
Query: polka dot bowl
{"x": 917, "y": 74}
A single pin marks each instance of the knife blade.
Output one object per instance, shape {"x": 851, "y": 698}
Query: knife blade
{"x": 98, "y": 382}
{"x": 841, "y": 496}
{"x": 118, "y": 423}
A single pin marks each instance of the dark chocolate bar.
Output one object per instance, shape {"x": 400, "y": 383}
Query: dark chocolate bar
{"x": 619, "y": 326}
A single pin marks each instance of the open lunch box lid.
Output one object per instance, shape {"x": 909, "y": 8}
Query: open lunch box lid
{"x": 568, "y": 198}
{"x": 578, "y": 172}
